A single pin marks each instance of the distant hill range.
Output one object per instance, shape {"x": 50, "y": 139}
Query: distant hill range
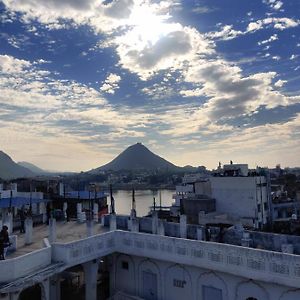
{"x": 138, "y": 157}
{"x": 9, "y": 169}
{"x": 33, "y": 168}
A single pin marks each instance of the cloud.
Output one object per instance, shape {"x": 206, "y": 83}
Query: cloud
{"x": 293, "y": 56}
{"x": 272, "y": 38}
{"x": 119, "y": 9}
{"x": 277, "y": 23}
{"x": 202, "y": 9}
{"x": 227, "y": 33}
{"x": 174, "y": 47}
{"x": 280, "y": 83}
{"x": 148, "y": 43}
{"x": 111, "y": 83}
{"x": 10, "y": 65}
{"x": 31, "y": 96}
{"x": 274, "y": 4}
{"x": 191, "y": 93}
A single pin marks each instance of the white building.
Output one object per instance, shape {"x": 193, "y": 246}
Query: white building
{"x": 237, "y": 193}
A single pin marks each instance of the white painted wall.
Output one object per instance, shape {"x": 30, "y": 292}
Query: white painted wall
{"x": 238, "y": 195}
{"x": 178, "y": 282}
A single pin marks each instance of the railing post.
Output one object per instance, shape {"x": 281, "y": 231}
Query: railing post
{"x": 28, "y": 231}
{"x": 183, "y": 226}
{"x": 112, "y": 222}
{"x": 52, "y": 230}
{"x": 160, "y": 228}
{"x": 154, "y": 222}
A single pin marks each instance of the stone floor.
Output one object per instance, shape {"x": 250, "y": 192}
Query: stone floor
{"x": 66, "y": 232}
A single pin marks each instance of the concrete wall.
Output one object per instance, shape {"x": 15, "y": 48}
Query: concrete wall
{"x": 14, "y": 268}
{"x": 177, "y": 282}
{"x": 241, "y": 193}
{"x": 203, "y": 188}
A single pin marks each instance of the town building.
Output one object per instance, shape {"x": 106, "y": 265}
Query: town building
{"x": 233, "y": 190}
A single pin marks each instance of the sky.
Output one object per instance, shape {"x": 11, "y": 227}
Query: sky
{"x": 197, "y": 82}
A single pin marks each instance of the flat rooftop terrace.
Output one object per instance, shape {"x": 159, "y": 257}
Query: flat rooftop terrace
{"x": 66, "y": 232}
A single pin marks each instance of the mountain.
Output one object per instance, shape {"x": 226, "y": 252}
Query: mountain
{"x": 9, "y": 169}
{"x": 137, "y": 157}
{"x": 33, "y": 168}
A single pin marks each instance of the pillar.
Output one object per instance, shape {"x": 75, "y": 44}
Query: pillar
{"x": 154, "y": 222}
{"x": 45, "y": 289}
{"x": 135, "y": 226}
{"x": 200, "y": 234}
{"x": 89, "y": 227}
{"x": 54, "y": 287}
{"x": 183, "y": 226}
{"x": 95, "y": 212}
{"x": 112, "y": 222}
{"x": 79, "y": 210}
{"x": 28, "y": 231}
{"x": 44, "y": 212}
{"x": 52, "y": 230}
{"x": 161, "y": 228}
{"x": 13, "y": 296}
{"x": 90, "y": 278}
{"x": 9, "y": 222}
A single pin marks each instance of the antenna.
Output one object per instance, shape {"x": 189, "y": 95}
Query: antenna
{"x": 133, "y": 206}
{"x": 160, "y": 199}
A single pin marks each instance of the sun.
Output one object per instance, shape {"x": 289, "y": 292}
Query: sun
{"x": 147, "y": 27}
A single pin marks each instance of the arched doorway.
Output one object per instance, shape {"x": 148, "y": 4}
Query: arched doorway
{"x": 33, "y": 293}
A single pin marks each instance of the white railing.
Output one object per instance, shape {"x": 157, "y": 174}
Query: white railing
{"x": 14, "y": 268}
{"x": 258, "y": 264}
{"x": 83, "y": 250}
{"x": 262, "y": 265}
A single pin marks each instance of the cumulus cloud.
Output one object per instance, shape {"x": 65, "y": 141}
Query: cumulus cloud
{"x": 277, "y": 23}
{"x": 111, "y": 83}
{"x": 280, "y": 83}
{"x": 171, "y": 50}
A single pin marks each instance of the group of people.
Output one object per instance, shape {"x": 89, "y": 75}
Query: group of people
{"x": 4, "y": 242}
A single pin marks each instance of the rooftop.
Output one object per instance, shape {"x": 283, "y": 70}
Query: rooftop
{"x": 66, "y": 232}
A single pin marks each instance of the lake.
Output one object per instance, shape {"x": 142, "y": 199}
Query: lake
{"x": 143, "y": 200}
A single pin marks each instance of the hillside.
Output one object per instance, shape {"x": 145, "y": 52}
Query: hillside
{"x": 33, "y": 168}
{"x": 9, "y": 169}
{"x": 138, "y": 157}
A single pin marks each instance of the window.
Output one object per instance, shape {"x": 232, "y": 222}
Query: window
{"x": 125, "y": 265}
{"x": 209, "y": 293}
{"x": 251, "y": 298}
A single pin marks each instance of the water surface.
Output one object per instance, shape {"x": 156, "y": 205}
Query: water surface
{"x": 143, "y": 199}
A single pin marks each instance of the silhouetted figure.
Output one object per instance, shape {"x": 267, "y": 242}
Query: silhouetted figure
{"x": 4, "y": 242}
